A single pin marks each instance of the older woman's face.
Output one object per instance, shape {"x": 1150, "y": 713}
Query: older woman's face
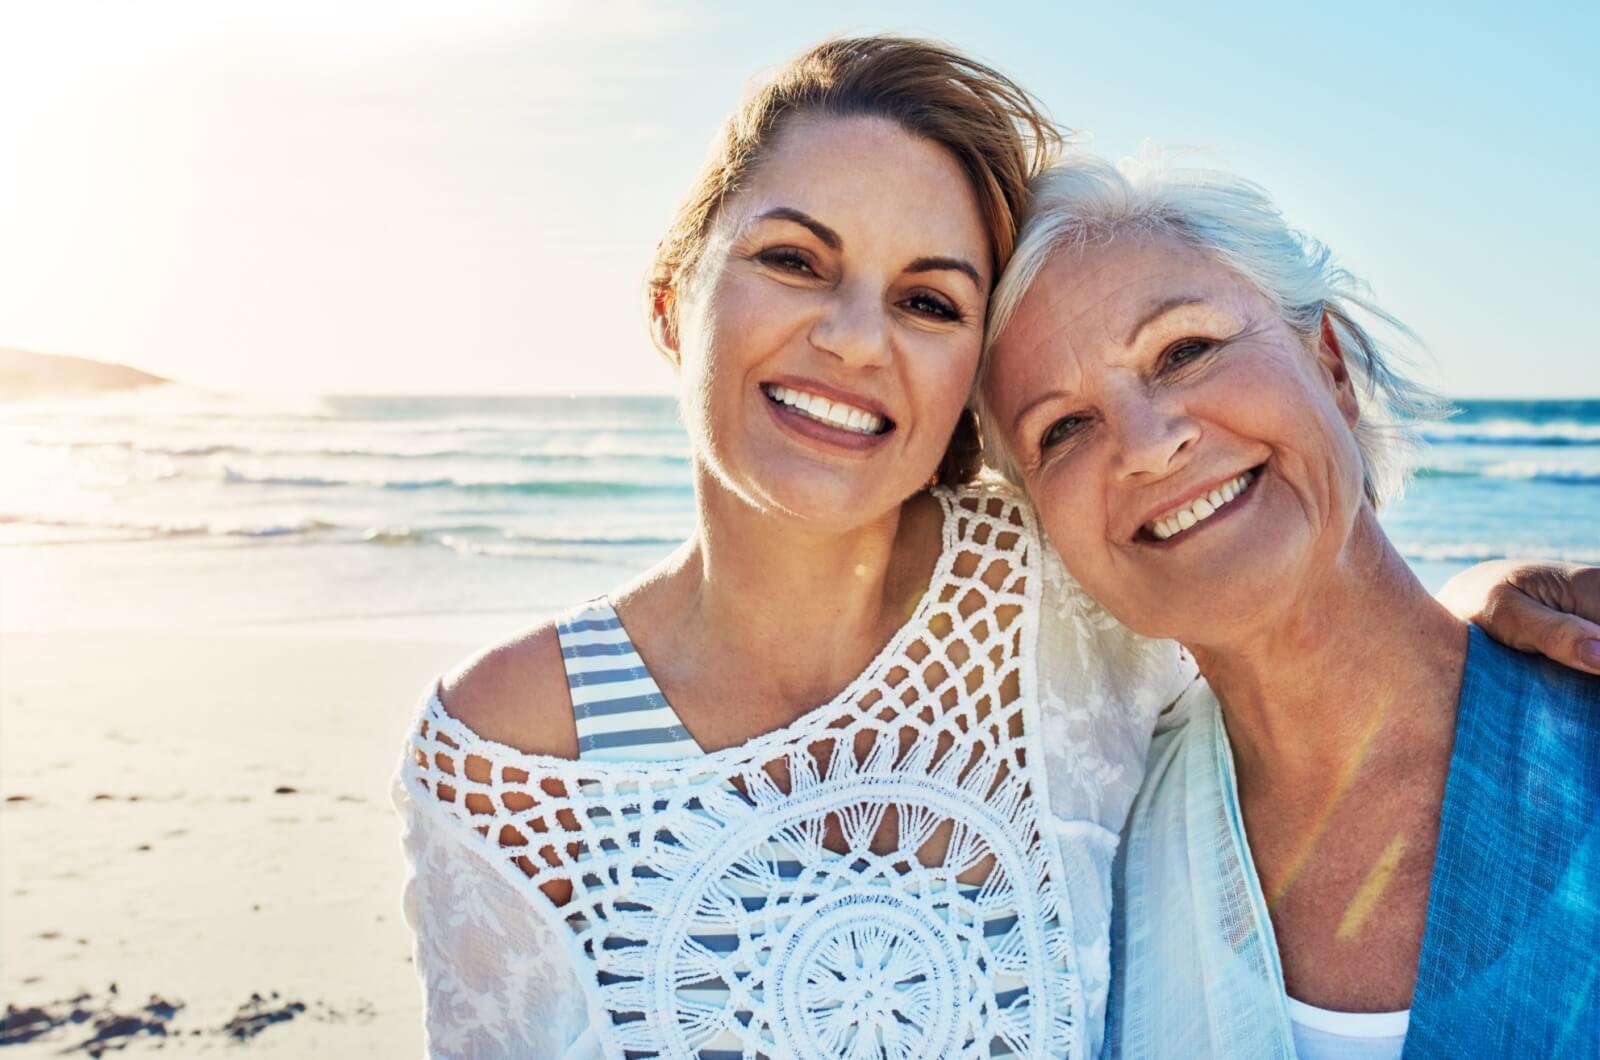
{"x": 1190, "y": 454}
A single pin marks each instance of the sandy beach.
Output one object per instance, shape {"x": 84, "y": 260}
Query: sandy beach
{"x": 196, "y": 844}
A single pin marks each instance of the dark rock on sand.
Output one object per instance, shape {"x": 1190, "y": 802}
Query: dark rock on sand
{"x": 257, "y": 1014}
{"x": 111, "y": 1029}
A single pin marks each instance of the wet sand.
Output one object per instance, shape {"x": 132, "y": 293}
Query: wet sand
{"x": 196, "y": 846}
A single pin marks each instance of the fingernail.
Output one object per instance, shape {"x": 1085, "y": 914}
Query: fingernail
{"x": 1589, "y": 652}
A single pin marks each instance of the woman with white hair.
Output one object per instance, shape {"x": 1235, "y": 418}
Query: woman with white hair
{"x": 1372, "y": 829}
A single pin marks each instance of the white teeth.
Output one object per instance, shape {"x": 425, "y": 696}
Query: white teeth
{"x": 1200, "y": 509}
{"x": 833, "y": 413}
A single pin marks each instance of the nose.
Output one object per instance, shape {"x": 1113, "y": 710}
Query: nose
{"x": 1155, "y": 437}
{"x": 854, "y": 326}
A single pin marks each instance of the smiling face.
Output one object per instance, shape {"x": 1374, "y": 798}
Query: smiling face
{"x": 1190, "y": 454}
{"x": 829, "y": 337}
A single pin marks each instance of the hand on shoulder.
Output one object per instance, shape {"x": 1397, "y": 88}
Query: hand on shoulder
{"x": 515, "y": 693}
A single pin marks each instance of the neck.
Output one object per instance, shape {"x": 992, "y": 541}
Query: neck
{"x": 805, "y": 606}
{"x": 1362, "y": 652}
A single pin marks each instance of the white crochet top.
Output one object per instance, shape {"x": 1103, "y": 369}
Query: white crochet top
{"x": 918, "y": 868}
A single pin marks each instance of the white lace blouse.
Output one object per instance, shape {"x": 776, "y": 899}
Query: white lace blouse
{"x": 918, "y": 868}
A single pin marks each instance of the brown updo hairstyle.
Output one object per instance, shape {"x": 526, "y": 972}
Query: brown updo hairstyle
{"x": 997, "y": 132}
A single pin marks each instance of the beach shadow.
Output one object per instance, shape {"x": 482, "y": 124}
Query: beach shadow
{"x": 95, "y": 1025}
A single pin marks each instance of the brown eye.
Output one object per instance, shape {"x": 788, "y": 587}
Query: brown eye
{"x": 931, "y": 305}
{"x": 786, "y": 259}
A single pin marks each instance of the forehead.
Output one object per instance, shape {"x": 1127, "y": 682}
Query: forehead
{"x": 1089, "y": 299}
{"x": 1102, "y": 287}
{"x": 869, "y": 177}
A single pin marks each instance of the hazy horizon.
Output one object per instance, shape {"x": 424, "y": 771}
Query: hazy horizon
{"x": 512, "y": 393}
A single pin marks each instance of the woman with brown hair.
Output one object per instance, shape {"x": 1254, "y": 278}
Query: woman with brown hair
{"x": 782, "y": 795}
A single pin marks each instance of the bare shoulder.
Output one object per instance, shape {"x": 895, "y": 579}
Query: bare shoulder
{"x": 515, "y": 693}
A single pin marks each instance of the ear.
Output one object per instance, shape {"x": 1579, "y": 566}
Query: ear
{"x": 664, "y": 322}
{"x": 1330, "y": 356}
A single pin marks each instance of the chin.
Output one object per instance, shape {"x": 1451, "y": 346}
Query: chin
{"x": 844, "y": 506}
{"x": 827, "y": 496}
{"x": 1228, "y": 600}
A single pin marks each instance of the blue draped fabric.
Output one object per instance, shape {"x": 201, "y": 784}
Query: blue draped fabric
{"x": 1510, "y": 962}
{"x": 1511, "y": 954}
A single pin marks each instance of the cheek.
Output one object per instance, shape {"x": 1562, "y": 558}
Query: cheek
{"x": 1269, "y": 396}
{"x": 959, "y": 370}
{"x": 1283, "y": 407}
{"x": 710, "y": 349}
{"x": 939, "y": 378}
{"x": 722, "y": 338}
{"x": 1072, "y": 513}
{"x": 1297, "y": 408}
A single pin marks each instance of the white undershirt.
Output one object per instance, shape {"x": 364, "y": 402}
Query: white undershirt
{"x": 1323, "y": 1034}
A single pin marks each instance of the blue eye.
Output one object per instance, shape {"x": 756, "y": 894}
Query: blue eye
{"x": 1187, "y": 351}
{"x": 1060, "y": 431}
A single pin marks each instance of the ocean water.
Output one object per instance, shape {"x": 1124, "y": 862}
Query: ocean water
{"x": 171, "y": 508}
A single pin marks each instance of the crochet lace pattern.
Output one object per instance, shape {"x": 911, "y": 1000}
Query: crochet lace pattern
{"x": 876, "y": 871}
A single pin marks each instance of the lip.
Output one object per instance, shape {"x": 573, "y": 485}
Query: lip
{"x": 1140, "y": 536}
{"x": 817, "y": 433}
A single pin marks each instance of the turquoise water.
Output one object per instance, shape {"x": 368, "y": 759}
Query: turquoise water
{"x": 1503, "y": 478}
{"x": 197, "y": 508}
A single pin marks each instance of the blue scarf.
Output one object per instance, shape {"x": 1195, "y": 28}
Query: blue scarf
{"x": 1511, "y": 952}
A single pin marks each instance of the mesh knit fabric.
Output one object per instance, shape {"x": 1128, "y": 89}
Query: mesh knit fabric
{"x": 887, "y": 876}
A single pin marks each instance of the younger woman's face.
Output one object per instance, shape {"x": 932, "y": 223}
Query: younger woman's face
{"x": 829, "y": 336}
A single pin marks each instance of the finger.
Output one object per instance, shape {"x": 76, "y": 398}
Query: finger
{"x": 1583, "y": 590}
{"x": 1580, "y": 599}
{"x": 1571, "y": 640}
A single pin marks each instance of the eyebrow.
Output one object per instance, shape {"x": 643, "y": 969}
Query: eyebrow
{"x": 955, "y": 264}
{"x": 1161, "y": 309}
{"x": 1022, "y": 414}
{"x": 829, "y": 237}
{"x": 833, "y": 241}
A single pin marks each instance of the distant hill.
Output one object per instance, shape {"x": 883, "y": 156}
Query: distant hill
{"x": 29, "y": 375}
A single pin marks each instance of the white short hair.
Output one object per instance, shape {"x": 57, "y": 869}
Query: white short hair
{"x": 1086, "y": 201}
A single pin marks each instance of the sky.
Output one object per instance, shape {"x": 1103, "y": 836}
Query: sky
{"x": 315, "y": 196}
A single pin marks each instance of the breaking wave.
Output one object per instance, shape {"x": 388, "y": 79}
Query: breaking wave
{"x": 599, "y": 488}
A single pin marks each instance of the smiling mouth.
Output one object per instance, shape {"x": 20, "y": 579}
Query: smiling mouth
{"x": 822, "y": 410}
{"x": 1182, "y": 520}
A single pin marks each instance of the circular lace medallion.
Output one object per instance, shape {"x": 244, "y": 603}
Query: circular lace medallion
{"x": 824, "y": 954}
{"x": 868, "y": 975}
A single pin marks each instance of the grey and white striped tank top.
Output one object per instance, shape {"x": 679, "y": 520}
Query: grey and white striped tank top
{"x": 622, "y": 715}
